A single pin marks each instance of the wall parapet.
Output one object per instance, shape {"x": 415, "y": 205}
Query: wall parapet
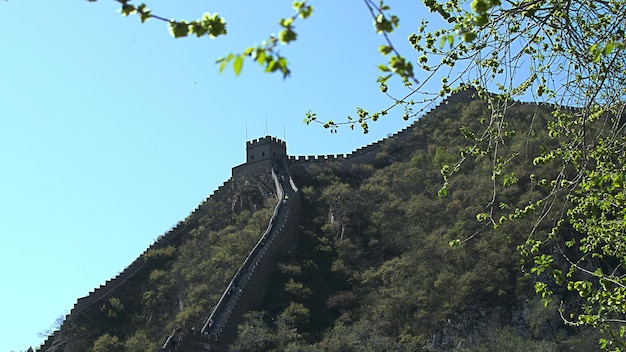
{"x": 366, "y": 151}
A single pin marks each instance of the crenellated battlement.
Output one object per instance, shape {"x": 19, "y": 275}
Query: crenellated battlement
{"x": 266, "y": 139}
{"x": 368, "y": 152}
{"x": 316, "y": 158}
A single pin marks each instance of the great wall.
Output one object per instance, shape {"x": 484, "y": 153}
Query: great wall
{"x": 220, "y": 327}
{"x": 250, "y": 277}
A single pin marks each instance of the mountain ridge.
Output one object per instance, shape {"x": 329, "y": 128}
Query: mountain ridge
{"x": 378, "y": 153}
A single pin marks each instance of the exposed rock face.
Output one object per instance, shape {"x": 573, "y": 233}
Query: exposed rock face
{"x": 252, "y": 196}
{"x": 65, "y": 344}
{"x": 528, "y": 319}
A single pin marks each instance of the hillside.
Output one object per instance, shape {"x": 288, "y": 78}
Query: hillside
{"x": 340, "y": 253}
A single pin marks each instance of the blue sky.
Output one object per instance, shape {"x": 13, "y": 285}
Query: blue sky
{"x": 112, "y": 131}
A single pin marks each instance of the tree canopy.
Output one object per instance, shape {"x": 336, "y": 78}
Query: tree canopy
{"x": 569, "y": 54}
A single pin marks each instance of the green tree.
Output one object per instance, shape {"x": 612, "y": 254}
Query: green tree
{"x": 108, "y": 343}
{"x": 570, "y": 54}
{"x": 253, "y": 335}
{"x": 113, "y": 308}
{"x": 139, "y": 342}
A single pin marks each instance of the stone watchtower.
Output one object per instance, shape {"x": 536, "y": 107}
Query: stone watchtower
{"x": 261, "y": 154}
{"x": 266, "y": 148}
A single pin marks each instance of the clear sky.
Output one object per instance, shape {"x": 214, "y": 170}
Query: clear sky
{"x": 112, "y": 131}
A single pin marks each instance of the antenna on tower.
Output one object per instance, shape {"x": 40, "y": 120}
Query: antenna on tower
{"x": 266, "y": 131}
{"x": 284, "y": 133}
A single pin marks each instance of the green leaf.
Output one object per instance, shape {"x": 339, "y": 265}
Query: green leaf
{"x": 260, "y": 56}
{"x": 238, "y": 64}
{"x": 144, "y": 13}
{"x": 287, "y": 35}
{"x": 197, "y": 29}
{"x": 179, "y": 29}
{"x": 385, "y": 49}
{"x": 446, "y": 38}
{"x": 306, "y": 12}
{"x": 297, "y": 5}
{"x": 286, "y": 22}
{"x": 595, "y": 52}
{"x": 144, "y": 16}
{"x": 272, "y": 65}
{"x": 214, "y": 24}
{"x": 469, "y": 37}
{"x": 224, "y": 62}
{"x": 128, "y": 9}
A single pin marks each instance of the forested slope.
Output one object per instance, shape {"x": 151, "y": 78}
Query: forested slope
{"x": 372, "y": 270}
{"x": 178, "y": 284}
